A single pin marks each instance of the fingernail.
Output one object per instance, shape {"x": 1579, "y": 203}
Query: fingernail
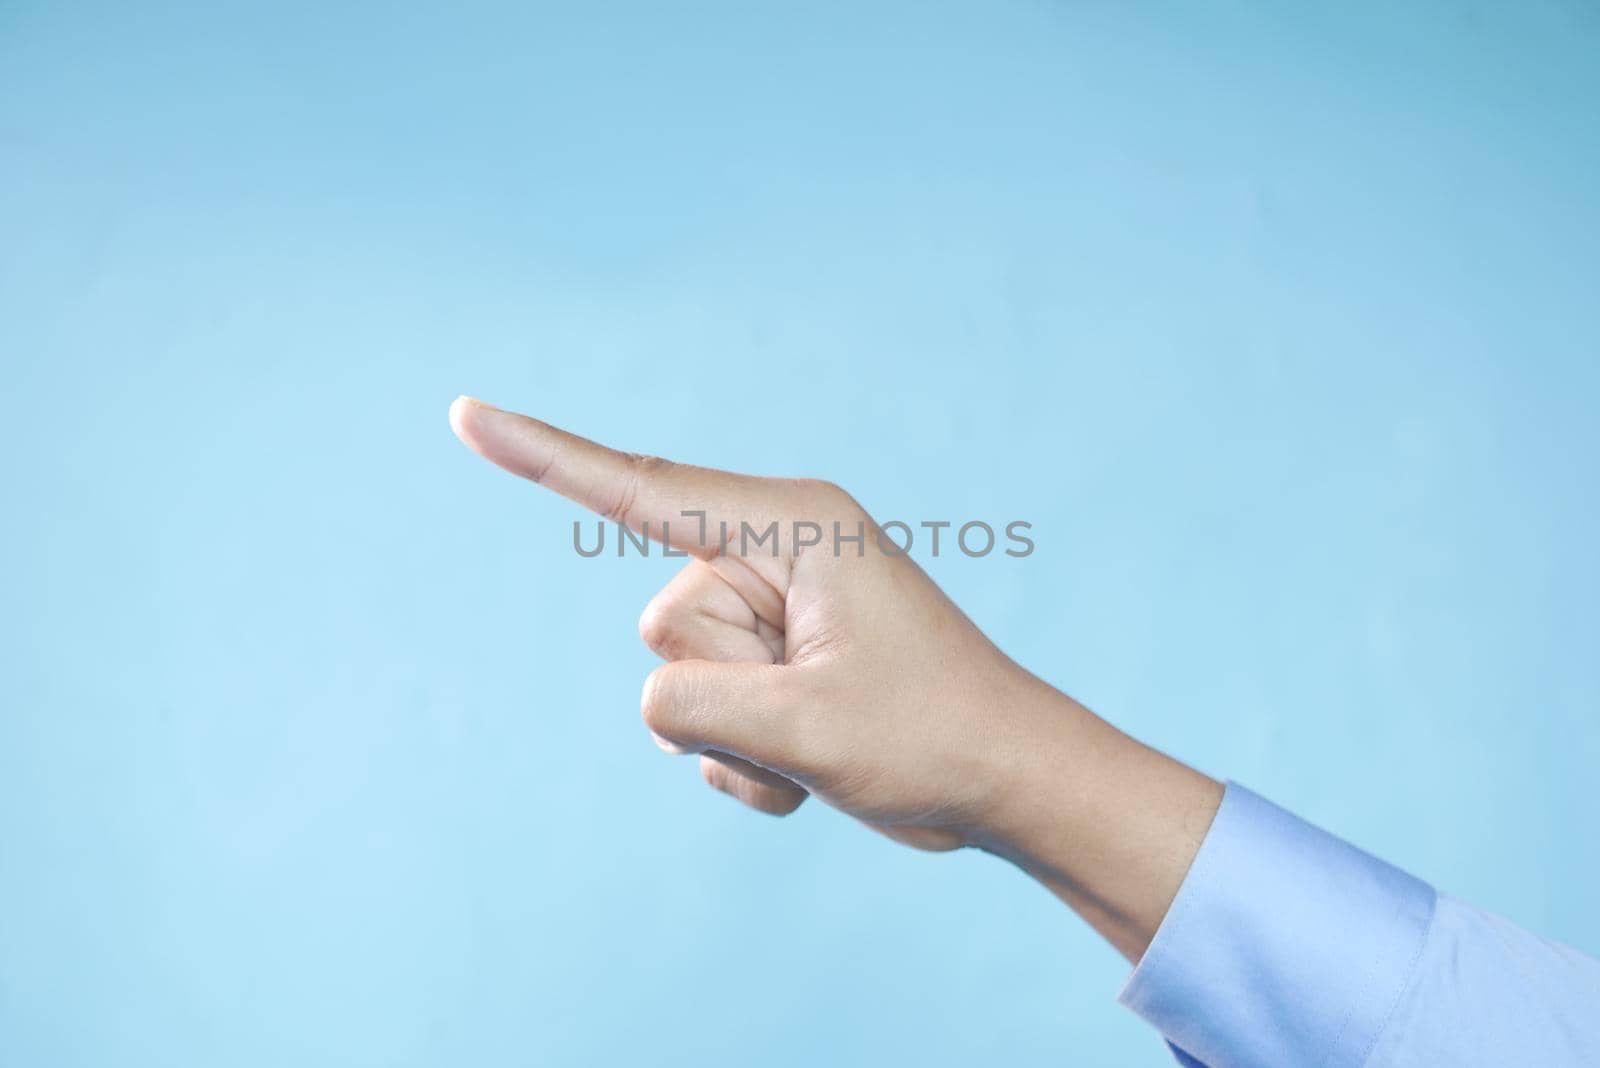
{"x": 462, "y": 410}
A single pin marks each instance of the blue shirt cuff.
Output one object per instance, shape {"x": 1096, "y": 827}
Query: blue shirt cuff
{"x": 1284, "y": 945}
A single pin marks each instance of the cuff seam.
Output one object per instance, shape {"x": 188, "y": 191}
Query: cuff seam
{"x": 1405, "y": 978}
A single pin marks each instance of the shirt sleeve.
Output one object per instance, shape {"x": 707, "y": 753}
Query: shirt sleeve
{"x": 1287, "y": 946}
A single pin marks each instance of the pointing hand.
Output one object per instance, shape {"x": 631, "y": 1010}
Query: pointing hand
{"x": 794, "y": 668}
{"x": 802, "y": 661}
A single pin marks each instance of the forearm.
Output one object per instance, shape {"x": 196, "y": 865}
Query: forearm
{"x": 1108, "y": 824}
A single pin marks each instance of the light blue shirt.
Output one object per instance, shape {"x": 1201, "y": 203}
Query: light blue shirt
{"x": 1287, "y": 947}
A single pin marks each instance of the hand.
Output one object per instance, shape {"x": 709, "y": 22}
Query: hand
{"x": 841, "y": 671}
{"x": 801, "y": 662}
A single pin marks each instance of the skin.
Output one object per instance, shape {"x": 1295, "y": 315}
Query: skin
{"x": 795, "y": 672}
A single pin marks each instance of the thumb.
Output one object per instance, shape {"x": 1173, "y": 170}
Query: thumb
{"x": 753, "y": 711}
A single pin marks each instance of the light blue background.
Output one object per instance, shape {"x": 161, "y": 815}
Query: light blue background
{"x": 320, "y": 746}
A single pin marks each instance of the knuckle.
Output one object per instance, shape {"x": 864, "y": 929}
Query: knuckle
{"x": 820, "y": 488}
{"x": 829, "y": 498}
{"x": 640, "y": 469}
{"x": 714, "y": 773}
{"x": 647, "y": 466}
{"x": 655, "y": 626}
{"x": 667, "y": 623}
{"x": 655, "y": 702}
{"x": 748, "y": 791}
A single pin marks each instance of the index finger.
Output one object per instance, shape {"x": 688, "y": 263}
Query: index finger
{"x": 645, "y": 493}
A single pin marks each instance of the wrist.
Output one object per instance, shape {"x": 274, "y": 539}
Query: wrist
{"x": 1037, "y": 779}
{"x": 1105, "y": 822}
